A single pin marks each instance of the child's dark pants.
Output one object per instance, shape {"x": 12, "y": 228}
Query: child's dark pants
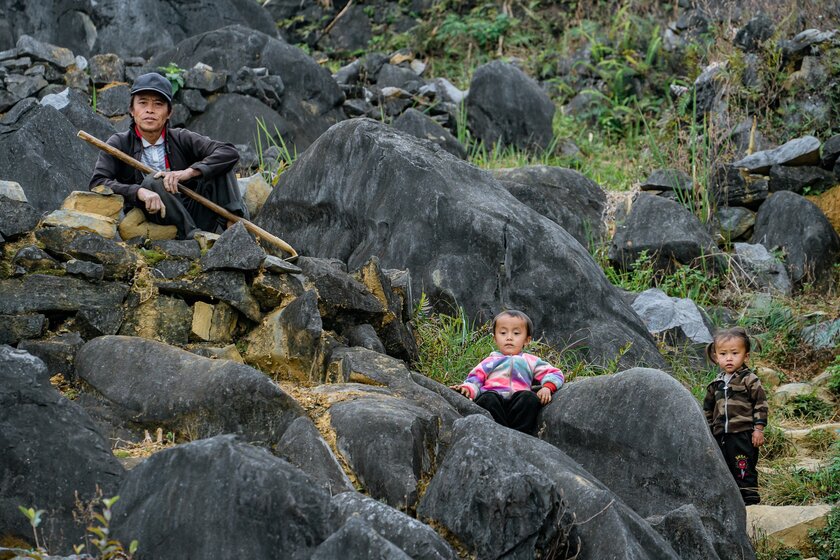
{"x": 519, "y": 412}
{"x": 741, "y": 458}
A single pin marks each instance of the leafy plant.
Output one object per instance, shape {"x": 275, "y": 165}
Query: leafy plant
{"x": 807, "y": 407}
{"x": 175, "y": 75}
{"x": 825, "y": 542}
{"x": 272, "y": 168}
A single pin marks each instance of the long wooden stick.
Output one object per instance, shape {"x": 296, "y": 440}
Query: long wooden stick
{"x": 223, "y": 212}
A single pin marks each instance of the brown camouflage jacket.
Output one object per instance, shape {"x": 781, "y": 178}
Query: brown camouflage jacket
{"x": 738, "y": 407}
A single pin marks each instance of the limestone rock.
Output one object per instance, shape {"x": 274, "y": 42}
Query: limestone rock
{"x": 228, "y": 286}
{"x": 56, "y": 294}
{"x": 789, "y": 391}
{"x": 109, "y": 206}
{"x": 59, "y": 56}
{"x": 668, "y": 180}
{"x": 823, "y": 336}
{"x": 303, "y": 446}
{"x": 106, "y": 68}
{"x": 787, "y": 524}
{"x": 763, "y": 269}
{"x": 276, "y": 290}
{"x": 134, "y": 224}
{"x": 678, "y": 320}
{"x": 85, "y": 221}
{"x": 16, "y": 218}
{"x": 254, "y": 191}
{"x": 58, "y": 352}
{"x": 93, "y": 321}
{"x": 213, "y": 323}
{"x": 12, "y": 191}
{"x": 235, "y": 249}
{"x": 14, "y": 328}
{"x": 801, "y": 151}
{"x": 162, "y": 318}
{"x": 420, "y": 125}
{"x": 735, "y": 222}
{"x": 356, "y": 540}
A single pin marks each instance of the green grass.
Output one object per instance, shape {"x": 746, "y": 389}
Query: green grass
{"x": 789, "y": 485}
{"x": 825, "y": 542}
{"x": 808, "y": 408}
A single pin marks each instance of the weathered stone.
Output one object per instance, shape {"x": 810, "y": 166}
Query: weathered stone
{"x": 662, "y": 228}
{"x": 76, "y": 107}
{"x": 29, "y": 46}
{"x": 356, "y": 540}
{"x": 801, "y": 151}
{"x": 364, "y": 336}
{"x": 770, "y": 377}
{"x": 822, "y": 336}
{"x": 756, "y": 31}
{"x": 829, "y": 203}
{"x": 181, "y": 249}
{"x": 668, "y": 180}
{"x": 58, "y": 353}
{"x": 14, "y": 328}
{"x": 106, "y": 68}
{"x": 340, "y": 296}
{"x": 788, "y": 525}
{"x": 194, "y": 100}
{"x": 303, "y": 446}
{"x": 237, "y": 501}
{"x": 795, "y": 49}
{"x": 213, "y": 323}
{"x": 418, "y": 124}
{"x": 735, "y": 222}
{"x": 272, "y": 290}
{"x": 226, "y": 285}
{"x": 390, "y": 192}
{"x": 792, "y": 223}
{"x": 623, "y": 458}
{"x": 63, "y": 242}
{"x": 33, "y": 259}
{"x": 109, "y": 206}
{"x": 799, "y": 179}
{"x": 51, "y": 454}
{"x": 562, "y": 195}
{"x": 507, "y": 107}
{"x": 16, "y": 218}
{"x": 135, "y": 225}
{"x": 56, "y": 294}
{"x": 113, "y": 100}
{"x": 279, "y": 266}
{"x": 124, "y": 377}
{"x": 287, "y": 343}
{"x": 94, "y": 223}
{"x": 764, "y": 270}
{"x": 94, "y": 272}
{"x": 202, "y": 77}
{"x": 732, "y": 186}
{"x": 830, "y": 152}
{"x": 683, "y": 528}
{"x": 677, "y": 320}
{"x": 93, "y": 321}
{"x": 12, "y": 191}
{"x": 254, "y": 191}
{"x": 236, "y": 249}
{"x": 24, "y": 86}
{"x": 161, "y": 318}
{"x": 791, "y": 391}
{"x": 711, "y": 91}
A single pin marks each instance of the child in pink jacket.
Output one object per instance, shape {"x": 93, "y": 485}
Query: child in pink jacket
{"x": 502, "y": 382}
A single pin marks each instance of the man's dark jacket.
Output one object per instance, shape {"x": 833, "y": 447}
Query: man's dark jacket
{"x": 184, "y": 149}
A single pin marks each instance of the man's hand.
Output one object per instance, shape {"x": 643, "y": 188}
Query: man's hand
{"x": 758, "y": 438}
{"x": 152, "y": 201}
{"x": 545, "y": 395}
{"x": 172, "y": 178}
{"x": 461, "y": 389}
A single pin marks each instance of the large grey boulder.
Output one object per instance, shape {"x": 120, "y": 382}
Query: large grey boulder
{"x": 507, "y": 495}
{"x": 311, "y": 100}
{"x": 621, "y": 428}
{"x": 662, "y": 228}
{"x": 220, "y": 498}
{"x": 136, "y": 384}
{"x": 50, "y": 449}
{"x": 677, "y": 320}
{"x": 303, "y": 446}
{"x": 45, "y": 293}
{"x": 421, "y": 125}
{"x": 51, "y": 22}
{"x": 562, "y": 195}
{"x": 76, "y": 106}
{"x": 505, "y": 106}
{"x": 763, "y": 269}
{"x": 47, "y": 171}
{"x": 465, "y": 239}
{"x": 796, "y": 225}
{"x": 415, "y": 538}
{"x": 356, "y": 540}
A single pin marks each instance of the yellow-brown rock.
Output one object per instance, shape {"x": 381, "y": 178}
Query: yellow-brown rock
{"x": 85, "y": 221}
{"x": 93, "y": 203}
{"x": 829, "y": 203}
{"x": 135, "y": 225}
{"x": 213, "y": 323}
{"x": 255, "y": 190}
{"x": 788, "y": 525}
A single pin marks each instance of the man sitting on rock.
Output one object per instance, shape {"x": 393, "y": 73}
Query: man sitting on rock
{"x": 177, "y": 155}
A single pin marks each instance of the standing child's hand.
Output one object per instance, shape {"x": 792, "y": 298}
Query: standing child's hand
{"x": 461, "y": 389}
{"x": 545, "y": 395}
{"x": 758, "y": 438}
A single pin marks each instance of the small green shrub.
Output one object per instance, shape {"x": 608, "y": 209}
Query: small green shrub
{"x": 820, "y": 440}
{"x": 825, "y": 542}
{"x": 777, "y": 445}
{"x": 833, "y": 370}
{"x": 807, "y": 407}
{"x": 175, "y": 75}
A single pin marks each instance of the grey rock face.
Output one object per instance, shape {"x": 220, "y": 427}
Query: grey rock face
{"x": 16, "y": 218}
{"x": 507, "y": 107}
{"x": 418, "y": 124}
{"x": 663, "y": 228}
{"x": 793, "y": 223}
{"x": 462, "y": 235}
{"x": 416, "y": 539}
{"x": 823, "y": 336}
{"x": 113, "y": 101}
{"x": 732, "y": 186}
{"x": 798, "y": 179}
{"x": 234, "y": 250}
{"x": 96, "y": 321}
{"x": 203, "y": 396}
{"x": 562, "y": 195}
{"x": 757, "y": 30}
{"x": 801, "y": 151}
{"x": 56, "y": 294}
{"x": 118, "y": 262}
{"x": 507, "y": 495}
{"x": 63, "y": 163}
{"x": 357, "y": 540}
{"x": 58, "y": 352}
{"x": 233, "y": 118}
{"x": 223, "y": 498}
{"x": 75, "y": 105}
{"x": 678, "y": 320}
{"x": 304, "y": 447}
{"x": 311, "y": 99}
{"x": 228, "y": 286}
{"x": 14, "y": 328}
{"x": 49, "y": 449}
{"x": 735, "y": 221}
{"x": 668, "y": 180}
{"x": 635, "y": 454}
{"x": 763, "y": 268}
{"x": 38, "y": 50}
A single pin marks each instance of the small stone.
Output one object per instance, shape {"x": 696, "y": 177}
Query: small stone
{"x": 106, "y": 68}
{"x": 788, "y": 525}
{"x": 770, "y": 378}
{"x": 14, "y": 328}
{"x": 93, "y": 203}
{"x": 12, "y": 191}
{"x": 89, "y": 270}
{"x": 213, "y": 323}
{"x": 85, "y": 221}
{"x": 113, "y": 100}
{"x": 279, "y": 266}
{"x": 234, "y": 250}
{"x": 202, "y": 77}
{"x": 29, "y": 46}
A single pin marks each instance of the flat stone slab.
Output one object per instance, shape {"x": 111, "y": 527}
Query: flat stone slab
{"x": 41, "y": 293}
{"x": 786, "y": 524}
{"x": 801, "y": 151}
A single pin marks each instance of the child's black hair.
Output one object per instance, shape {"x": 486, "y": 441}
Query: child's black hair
{"x": 726, "y": 334}
{"x": 516, "y": 314}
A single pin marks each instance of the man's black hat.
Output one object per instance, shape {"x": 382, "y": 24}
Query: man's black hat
{"x": 153, "y": 82}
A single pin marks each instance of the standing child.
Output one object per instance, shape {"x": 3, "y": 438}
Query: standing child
{"x": 501, "y": 383}
{"x": 736, "y": 409}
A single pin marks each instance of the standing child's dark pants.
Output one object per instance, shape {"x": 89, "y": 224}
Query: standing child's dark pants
{"x": 741, "y": 458}
{"x": 519, "y": 412}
